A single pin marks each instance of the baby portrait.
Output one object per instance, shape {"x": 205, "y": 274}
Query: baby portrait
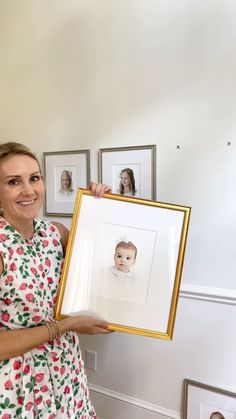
{"x": 124, "y": 258}
{"x": 123, "y": 262}
{"x": 217, "y": 415}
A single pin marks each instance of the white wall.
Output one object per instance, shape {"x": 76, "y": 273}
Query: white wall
{"x": 88, "y": 74}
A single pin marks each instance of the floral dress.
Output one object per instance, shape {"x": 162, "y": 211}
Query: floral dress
{"x": 48, "y": 381}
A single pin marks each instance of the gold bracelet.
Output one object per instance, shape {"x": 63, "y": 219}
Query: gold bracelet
{"x": 56, "y": 327}
{"x": 49, "y": 331}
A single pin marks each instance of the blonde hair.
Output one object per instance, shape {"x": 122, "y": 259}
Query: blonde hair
{"x": 14, "y": 149}
{"x": 127, "y": 245}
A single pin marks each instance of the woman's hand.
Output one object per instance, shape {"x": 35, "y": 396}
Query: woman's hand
{"x": 84, "y": 324}
{"x": 99, "y": 189}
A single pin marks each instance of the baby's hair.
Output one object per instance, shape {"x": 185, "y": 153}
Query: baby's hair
{"x": 127, "y": 245}
{"x": 130, "y": 173}
{"x": 217, "y": 414}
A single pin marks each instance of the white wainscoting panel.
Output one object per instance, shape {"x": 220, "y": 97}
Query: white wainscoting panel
{"x": 111, "y": 405}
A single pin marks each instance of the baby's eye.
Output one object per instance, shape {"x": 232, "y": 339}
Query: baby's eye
{"x": 128, "y": 258}
{"x": 13, "y": 182}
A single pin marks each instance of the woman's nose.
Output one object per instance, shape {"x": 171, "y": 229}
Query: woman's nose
{"x": 27, "y": 188}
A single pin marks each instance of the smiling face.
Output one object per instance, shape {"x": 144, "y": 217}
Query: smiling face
{"x": 124, "y": 258}
{"x": 65, "y": 181}
{"x": 125, "y": 179}
{"x": 21, "y": 189}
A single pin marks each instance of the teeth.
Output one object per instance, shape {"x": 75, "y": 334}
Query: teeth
{"x": 26, "y": 202}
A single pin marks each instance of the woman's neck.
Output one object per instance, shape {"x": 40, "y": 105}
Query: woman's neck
{"x": 26, "y": 229}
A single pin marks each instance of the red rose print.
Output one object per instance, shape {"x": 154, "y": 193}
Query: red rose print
{"x": 16, "y": 365}
{"x": 26, "y": 309}
{"x": 48, "y": 262}
{"x": 62, "y": 370}
{"x": 29, "y": 297}
{"x": 29, "y": 406}
{"x": 6, "y": 416}
{"x": 80, "y": 403}
{"x": 55, "y": 242}
{"x": 50, "y": 280}
{"x": 3, "y": 237}
{"x": 7, "y": 301}
{"x": 34, "y": 271}
{"x": 17, "y": 376}
{"x": 39, "y": 377}
{"x": 48, "y": 402}
{"x": 44, "y": 389}
{"x": 20, "y": 251}
{"x": 20, "y": 400}
{"x": 67, "y": 390}
{"x": 39, "y": 400}
{"x": 9, "y": 279}
{"x": 23, "y": 286}
{"x": 8, "y": 385}
{"x": 26, "y": 369}
{"x": 5, "y": 317}
{"x": 41, "y": 285}
{"x": 13, "y": 267}
{"x": 40, "y": 267}
{"x": 45, "y": 243}
{"x": 37, "y": 318}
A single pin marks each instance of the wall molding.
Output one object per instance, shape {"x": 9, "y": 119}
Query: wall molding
{"x": 134, "y": 402}
{"x": 210, "y": 294}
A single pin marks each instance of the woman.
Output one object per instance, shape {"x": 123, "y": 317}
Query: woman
{"x": 41, "y": 369}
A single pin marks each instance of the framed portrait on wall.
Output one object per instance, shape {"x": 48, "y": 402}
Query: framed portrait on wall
{"x": 65, "y": 172}
{"x": 124, "y": 263}
{"x": 131, "y": 171}
{"x": 202, "y": 401}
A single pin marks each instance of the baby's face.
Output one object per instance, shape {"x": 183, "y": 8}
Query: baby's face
{"x": 124, "y": 259}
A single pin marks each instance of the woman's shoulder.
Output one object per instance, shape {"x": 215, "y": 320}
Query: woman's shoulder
{"x": 63, "y": 231}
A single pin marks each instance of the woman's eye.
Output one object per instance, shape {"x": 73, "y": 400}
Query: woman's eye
{"x": 35, "y": 178}
{"x": 13, "y": 182}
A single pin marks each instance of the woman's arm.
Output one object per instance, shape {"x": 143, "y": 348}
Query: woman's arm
{"x": 16, "y": 342}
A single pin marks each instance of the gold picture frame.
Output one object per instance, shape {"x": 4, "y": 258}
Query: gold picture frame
{"x": 141, "y": 299}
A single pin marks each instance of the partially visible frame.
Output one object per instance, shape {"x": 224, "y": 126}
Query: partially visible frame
{"x": 202, "y": 401}
{"x": 141, "y": 160}
{"x": 142, "y": 300}
{"x": 65, "y": 172}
